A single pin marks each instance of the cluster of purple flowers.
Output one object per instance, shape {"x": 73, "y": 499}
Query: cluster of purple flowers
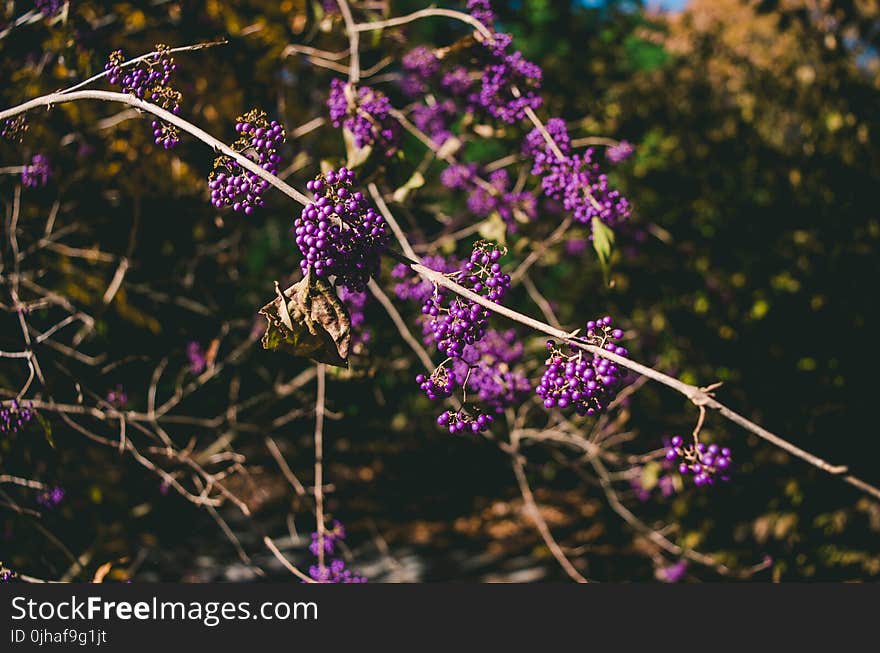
{"x": 335, "y": 572}
{"x": 581, "y": 380}
{"x": 355, "y": 302}
{"x": 574, "y": 179}
{"x": 365, "y": 113}
{"x": 149, "y": 79}
{"x": 48, "y": 7}
{"x": 493, "y": 196}
{"x": 51, "y": 498}
{"x": 195, "y": 354}
{"x": 36, "y": 173}
{"x": 15, "y": 416}
{"x": 340, "y": 234}
{"x": 230, "y": 183}
{"x": 706, "y": 463}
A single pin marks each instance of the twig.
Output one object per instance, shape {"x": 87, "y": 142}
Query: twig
{"x": 319, "y": 460}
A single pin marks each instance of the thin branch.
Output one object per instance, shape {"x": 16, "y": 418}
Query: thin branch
{"x": 319, "y": 460}
{"x": 425, "y": 13}
{"x": 540, "y": 523}
{"x": 354, "y": 74}
{"x": 167, "y": 116}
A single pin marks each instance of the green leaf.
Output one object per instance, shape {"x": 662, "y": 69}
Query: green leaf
{"x": 416, "y": 181}
{"x": 47, "y": 428}
{"x": 355, "y": 156}
{"x": 650, "y": 475}
{"x": 603, "y": 240}
{"x": 494, "y": 229}
{"x": 308, "y": 320}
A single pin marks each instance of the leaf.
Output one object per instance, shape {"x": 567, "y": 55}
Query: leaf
{"x": 47, "y": 428}
{"x": 650, "y": 476}
{"x": 355, "y": 156}
{"x": 102, "y": 572}
{"x": 416, "y": 181}
{"x": 521, "y": 216}
{"x": 494, "y": 229}
{"x": 308, "y": 320}
{"x": 603, "y": 239}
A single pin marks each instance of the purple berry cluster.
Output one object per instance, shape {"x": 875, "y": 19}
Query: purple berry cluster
{"x": 492, "y": 79}
{"x": 36, "y": 173}
{"x": 335, "y": 572}
{"x": 486, "y": 371}
{"x": 620, "y": 152}
{"x": 230, "y": 183}
{"x": 365, "y": 114}
{"x": 412, "y": 287}
{"x": 459, "y": 322}
{"x": 332, "y": 537}
{"x": 482, "y": 11}
{"x": 195, "y": 354}
{"x": 340, "y": 234}
{"x": 497, "y": 196}
{"x": 489, "y": 370}
{"x": 481, "y": 362}
{"x": 459, "y": 176}
{"x": 706, "y": 463}
{"x": 149, "y": 79}
{"x": 434, "y": 118}
{"x": 14, "y": 416}
{"x": 419, "y": 65}
{"x": 509, "y": 84}
{"x": 457, "y": 81}
{"x": 48, "y": 8}
{"x": 492, "y": 196}
{"x": 580, "y": 380}
{"x": 574, "y": 179}
{"x": 144, "y": 78}
{"x": 460, "y": 421}
{"x": 440, "y": 384}
{"x": 51, "y": 498}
